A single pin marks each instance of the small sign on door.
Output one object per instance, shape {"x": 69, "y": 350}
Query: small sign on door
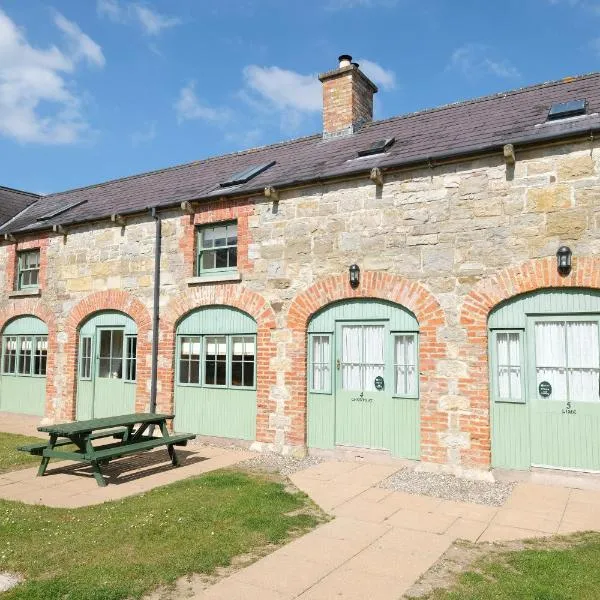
{"x": 379, "y": 383}
{"x": 545, "y": 389}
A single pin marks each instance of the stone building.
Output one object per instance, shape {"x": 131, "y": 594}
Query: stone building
{"x": 392, "y": 285}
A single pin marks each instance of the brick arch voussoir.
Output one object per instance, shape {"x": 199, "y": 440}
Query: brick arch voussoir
{"x": 31, "y": 307}
{"x": 535, "y": 274}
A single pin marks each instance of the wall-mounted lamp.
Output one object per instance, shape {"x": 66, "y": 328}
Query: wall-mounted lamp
{"x": 563, "y": 260}
{"x": 354, "y": 274}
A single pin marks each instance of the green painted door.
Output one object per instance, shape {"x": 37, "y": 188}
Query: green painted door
{"x": 215, "y": 373}
{"x": 565, "y": 395}
{"x": 23, "y": 366}
{"x": 107, "y": 369}
{"x": 363, "y": 378}
{"x": 361, "y": 409}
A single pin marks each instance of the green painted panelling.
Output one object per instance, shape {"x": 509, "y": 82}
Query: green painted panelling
{"x": 363, "y": 424}
{"x": 565, "y": 301}
{"x": 215, "y": 412}
{"x": 216, "y": 319}
{"x": 26, "y": 326}
{"x": 399, "y": 318}
{"x": 25, "y": 395}
{"x": 321, "y": 422}
{"x": 570, "y": 441}
{"x": 85, "y": 400}
{"x": 109, "y": 319}
{"x": 510, "y": 436}
{"x": 112, "y": 397}
{"x": 405, "y": 431}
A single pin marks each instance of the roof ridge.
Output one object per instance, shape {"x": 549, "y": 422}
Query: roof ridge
{"x": 23, "y": 192}
{"x": 185, "y": 165}
{"x": 487, "y": 97}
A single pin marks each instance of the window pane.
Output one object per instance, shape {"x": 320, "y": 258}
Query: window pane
{"x": 40, "y": 356}
{"x": 351, "y": 357}
{"x": 248, "y": 374}
{"x": 131, "y": 358}
{"x": 232, "y": 234}
{"x": 373, "y": 339}
{"x": 220, "y": 236}
{"x": 583, "y": 361}
{"x": 10, "y": 354}
{"x": 117, "y": 343}
{"x": 221, "y": 258}
{"x": 25, "y": 353}
{"x": 508, "y": 376}
{"x": 551, "y": 358}
{"x": 232, "y": 257}
{"x": 86, "y": 358}
{"x": 405, "y": 361}
{"x": 321, "y": 357}
{"x": 215, "y": 360}
{"x": 104, "y": 367}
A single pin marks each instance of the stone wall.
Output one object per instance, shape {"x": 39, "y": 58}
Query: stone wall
{"x": 428, "y": 238}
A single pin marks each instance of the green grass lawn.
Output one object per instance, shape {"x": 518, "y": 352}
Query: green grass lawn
{"x": 10, "y": 458}
{"x": 562, "y": 568}
{"x": 124, "y": 549}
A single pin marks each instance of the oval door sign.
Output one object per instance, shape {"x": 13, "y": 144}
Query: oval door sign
{"x": 379, "y": 383}
{"x": 545, "y": 389}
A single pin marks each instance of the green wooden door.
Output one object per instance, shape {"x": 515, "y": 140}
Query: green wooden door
{"x": 361, "y": 409}
{"x": 549, "y": 337}
{"x": 565, "y": 392}
{"x": 107, "y": 369}
{"x": 350, "y": 345}
{"x": 215, "y": 373}
{"x": 23, "y": 366}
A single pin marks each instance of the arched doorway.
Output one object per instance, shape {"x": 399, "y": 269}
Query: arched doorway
{"x": 215, "y": 373}
{"x": 24, "y": 363}
{"x": 107, "y": 366}
{"x": 544, "y": 356}
{"x": 363, "y": 377}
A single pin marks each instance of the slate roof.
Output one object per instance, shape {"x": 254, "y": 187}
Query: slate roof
{"x": 474, "y": 126}
{"x": 12, "y": 202}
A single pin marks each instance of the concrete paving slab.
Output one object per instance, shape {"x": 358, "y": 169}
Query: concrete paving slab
{"x": 342, "y": 528}
{"x": 473, "y": 512}
{"x": 466, "y": 529}
{"x": 234, "y": 590}
{"x": 421, "y": 521}
{"x": 500, "y": 533}
{"x": 585, "y": 497}
{"x": 521, "y": 519}
{"x": 326, "y": 471}
{"x": 21, "y": 424}
{"x": 411, "y": 502}
{"x": 364, "y": 510}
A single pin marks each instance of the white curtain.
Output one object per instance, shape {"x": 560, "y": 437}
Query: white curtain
{"x": 509, "y": 365}
{"x": 583, "y": 361}
{"x": 551, "y": 357}
{"x": 374, "y": 362}
{"x": 351, "y": 357}
{"x": 405, "y": 358}
{"x": 321, "y": 356}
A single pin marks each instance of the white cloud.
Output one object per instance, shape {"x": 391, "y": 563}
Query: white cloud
{"x": 285, "y": 89}
{"x": 37, "y": 103}
{"x": 384, "y": 78}
{"x": 189, "y": 107}
{"x": 472, "y": 60}
{"x": 81, "y": 45}
{"x": 144, "y": 135}
{"x": 151, "y": 21}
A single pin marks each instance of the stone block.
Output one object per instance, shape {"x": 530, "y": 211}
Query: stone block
{"x": 569, "y": 224}
{"x": 548, "y": 199}
{"x": 576, "y": 167}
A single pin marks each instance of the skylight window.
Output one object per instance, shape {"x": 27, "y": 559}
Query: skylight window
{"x": 247, "y": 174}
{"x": 60, "y": 210}
{"x": 378, "y": 147}
{"x": 562, "y": 110}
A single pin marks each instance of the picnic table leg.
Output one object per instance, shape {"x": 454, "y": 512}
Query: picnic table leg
{"x": 172, "y": 454}
{"x": 46, "y": 459}
{"x": 98, "y": 474}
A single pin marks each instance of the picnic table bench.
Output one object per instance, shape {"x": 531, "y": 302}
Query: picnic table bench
{"x": 129, "y": 431}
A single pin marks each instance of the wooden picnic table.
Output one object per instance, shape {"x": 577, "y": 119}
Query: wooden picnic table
{"x": 129, "y": 431}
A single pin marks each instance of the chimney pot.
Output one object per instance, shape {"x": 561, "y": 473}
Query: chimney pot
{"x": 345, "y": 60}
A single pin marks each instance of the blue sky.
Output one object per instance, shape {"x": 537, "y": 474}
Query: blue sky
{"x": 91, "y": 90}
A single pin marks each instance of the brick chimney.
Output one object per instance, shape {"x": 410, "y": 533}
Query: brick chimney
{"x": 347, "y": 99}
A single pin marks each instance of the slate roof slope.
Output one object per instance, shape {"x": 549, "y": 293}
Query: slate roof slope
{"x": 12, "y": 202}
{"x": 457, "y": 129}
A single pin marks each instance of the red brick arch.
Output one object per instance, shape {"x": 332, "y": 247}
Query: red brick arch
{"x": 24, "y": 307}
{"x": 532, "y": 275}
{"x": 117, "y": 300}
{"x": 410, "y": 294}
{"x": 234, "y": 296}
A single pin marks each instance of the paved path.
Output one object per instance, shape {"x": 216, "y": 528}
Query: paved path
{"x": 21, "y": 424}
{"x": 72, "y": 485}
{"x": 381, "y": 541}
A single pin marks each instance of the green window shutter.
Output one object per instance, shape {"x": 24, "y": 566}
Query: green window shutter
{"x": 319, "y": 361}
{"x": 507, "y": 366}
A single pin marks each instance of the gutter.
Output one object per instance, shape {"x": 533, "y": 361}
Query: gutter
{"x": 430, "y": 160}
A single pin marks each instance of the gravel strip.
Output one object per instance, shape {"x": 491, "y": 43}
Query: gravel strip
{"x": 449, "y": 487}
{"x": 276, "y": 463}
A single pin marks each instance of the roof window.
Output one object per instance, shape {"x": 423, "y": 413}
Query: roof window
{"x": 378, "y": 147}
{"x": 60, "y": 210}
{"x": 563, "y": 110}
{"x": 247, "y": 174}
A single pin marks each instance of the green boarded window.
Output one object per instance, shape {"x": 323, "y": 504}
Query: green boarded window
{"x": 405, "y": 365}
{"x": 320, "y": 363}
{"x": 217, "y": 248}
{"x": 28, "y": 274}
{"x": 226, "y": 361}
{"x": 130, "y": 358}
{"x": 25, "y": 355}
{"x": 85, "y": 357}
{"x": 507, "y": 367}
